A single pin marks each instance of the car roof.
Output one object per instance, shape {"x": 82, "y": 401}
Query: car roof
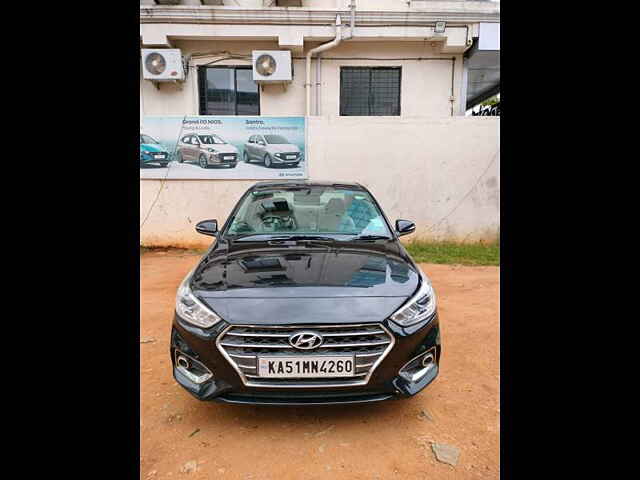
{"x": 307, "y": 183}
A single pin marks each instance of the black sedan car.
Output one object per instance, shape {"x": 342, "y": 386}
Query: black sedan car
{"x": 306, "y": 297}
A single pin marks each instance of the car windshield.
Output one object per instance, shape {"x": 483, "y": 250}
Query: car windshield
{"x": 276, "y": 139}
{"x": 310, "y": 210}
{"x": 211, "y": 140}
{"x": 147, "y": 139}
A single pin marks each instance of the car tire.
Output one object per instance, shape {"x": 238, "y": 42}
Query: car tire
{"x": 267, "y": 161}
{"x": 179, "y": 157}
{"x": 245, "y": 157}
{"x": 203, "y": 161}
{"x": 233, "y": 165}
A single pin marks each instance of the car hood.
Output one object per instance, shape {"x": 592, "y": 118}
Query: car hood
{"x": 257, "y": 283}
{"x": 222, "y": 148}
{"x": 283, "y": 148}
{"x": 152, "y": 147}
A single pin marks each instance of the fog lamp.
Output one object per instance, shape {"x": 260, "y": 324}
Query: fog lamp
{"x": 418, "y": 367}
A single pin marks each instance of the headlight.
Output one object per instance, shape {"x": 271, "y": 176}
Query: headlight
{"x": 420, "y": 306}
{"x": 212, "y": 151}
{"x": 146, "y": 152}
{"x": 191, "y": 309}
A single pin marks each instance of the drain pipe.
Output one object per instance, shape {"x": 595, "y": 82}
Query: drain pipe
{"x": 352, "y": 19}
{"x": 325, "y": 46}
{"x": 318, "y": 81}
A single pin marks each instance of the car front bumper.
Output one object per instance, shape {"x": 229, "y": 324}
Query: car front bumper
{"x": 222, "y": 159}
{"x": 150, "y": 158}
{"x": 226, "y": 386}
{"x": 286, "y": 161}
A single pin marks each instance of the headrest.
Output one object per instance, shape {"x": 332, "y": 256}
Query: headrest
{"x": 335, "y": 205}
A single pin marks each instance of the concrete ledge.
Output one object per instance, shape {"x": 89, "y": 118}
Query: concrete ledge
{"x": 451, "y": 12}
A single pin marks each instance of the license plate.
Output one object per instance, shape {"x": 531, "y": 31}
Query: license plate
{"x": 158, "y": 156}
{"x": 306, "y": 367}
{"x": 230, "y": 157}
{"x": 291, "y": 157}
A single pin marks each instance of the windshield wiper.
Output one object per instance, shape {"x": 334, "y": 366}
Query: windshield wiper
{"x": 302, "y": 238}
{"x": 371, "y": 237}
{"x": 266, "y": 237}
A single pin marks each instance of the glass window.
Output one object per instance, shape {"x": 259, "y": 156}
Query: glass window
{"x": 211, "y": 140}
{"x": 186, "y": 139}
{"x": 147, "y": 139}
{"x": 276, "y": 140}
{"x": 308, "y": 210}
{"x": 370, "y": 91}
{"x": 228, "y": 91}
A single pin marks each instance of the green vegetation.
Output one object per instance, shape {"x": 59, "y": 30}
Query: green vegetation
{"x": 455, "y": 253}
{"x": 421, "y": 251}
{"x": 490, "y": 102}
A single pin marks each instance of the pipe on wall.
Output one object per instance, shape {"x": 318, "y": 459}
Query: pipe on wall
{"x": 325, "y": 46}
{"x": 318, "y": 81}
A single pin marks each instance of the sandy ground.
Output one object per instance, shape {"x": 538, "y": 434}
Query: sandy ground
{"x": 388, "y": 440}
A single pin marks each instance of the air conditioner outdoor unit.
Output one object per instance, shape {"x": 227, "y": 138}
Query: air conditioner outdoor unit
{"x": 272, "y": 66}
{"x": 162, "y": 64}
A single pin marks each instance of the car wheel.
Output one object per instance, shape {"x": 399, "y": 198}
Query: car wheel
{"x": 233, "y": 165}
{"x": 142, "y": 165}
{"x": 267, "y": 161}
{"x": 164, "y": 165}
{"x": 203, "y": 161}
{"x": 295, "y": 165}
{"x": 179, "y": 156}
{"x": 245, "y": 157}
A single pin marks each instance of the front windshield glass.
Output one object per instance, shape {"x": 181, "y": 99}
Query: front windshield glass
{"x": 315, "y": 210}
{"x": 147, "y": 139}
{"x": 276, "y": 139}
{"x": 211, "y": 140}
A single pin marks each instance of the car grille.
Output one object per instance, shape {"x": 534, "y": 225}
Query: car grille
{"x": 242, "y": 344}
{"x": 285, "y": 156}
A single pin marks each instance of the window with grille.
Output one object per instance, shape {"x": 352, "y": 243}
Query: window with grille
{"x": 228, "y": 91}
{"x": 368, "y": 91}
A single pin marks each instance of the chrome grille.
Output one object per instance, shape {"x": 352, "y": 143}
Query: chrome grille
{"x": 242, "y": 344}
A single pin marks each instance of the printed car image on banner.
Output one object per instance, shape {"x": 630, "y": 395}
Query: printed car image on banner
{"x": 228, "y": 147}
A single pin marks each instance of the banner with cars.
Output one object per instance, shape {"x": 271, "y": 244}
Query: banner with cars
{"x": 225, "y": 147}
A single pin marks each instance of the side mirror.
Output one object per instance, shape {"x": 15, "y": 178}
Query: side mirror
{"x": 207, "y": 227}
{"x": 405, "y": 227}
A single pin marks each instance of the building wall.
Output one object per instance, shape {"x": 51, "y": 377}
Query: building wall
{"x": 426, "y": 85}
{"x": 443, "y": 173}
{"x": 328, "y": 4}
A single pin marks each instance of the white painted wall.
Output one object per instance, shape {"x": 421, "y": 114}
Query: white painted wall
{"x": 425, "y": 84}
{"x": 443, "y": 173}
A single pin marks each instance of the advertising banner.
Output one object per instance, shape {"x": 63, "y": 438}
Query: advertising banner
{"x": 225, "y": 147}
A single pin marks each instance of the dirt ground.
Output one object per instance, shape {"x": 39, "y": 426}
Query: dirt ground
{"x": 388, "y": 440}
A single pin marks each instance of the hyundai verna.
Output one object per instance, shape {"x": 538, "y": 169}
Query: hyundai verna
{"x": 306, "y": 297}
{"x": 152, "y": 152}
{"x": 272, "y": 150}
{"x": 206, "y": 150}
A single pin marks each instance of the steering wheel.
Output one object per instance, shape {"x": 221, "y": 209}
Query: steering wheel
{"x": 276, "y": 222}
{"x": 242, "y": 226}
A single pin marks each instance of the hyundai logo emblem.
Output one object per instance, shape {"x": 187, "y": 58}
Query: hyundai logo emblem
{"x": 305, "y": 340}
